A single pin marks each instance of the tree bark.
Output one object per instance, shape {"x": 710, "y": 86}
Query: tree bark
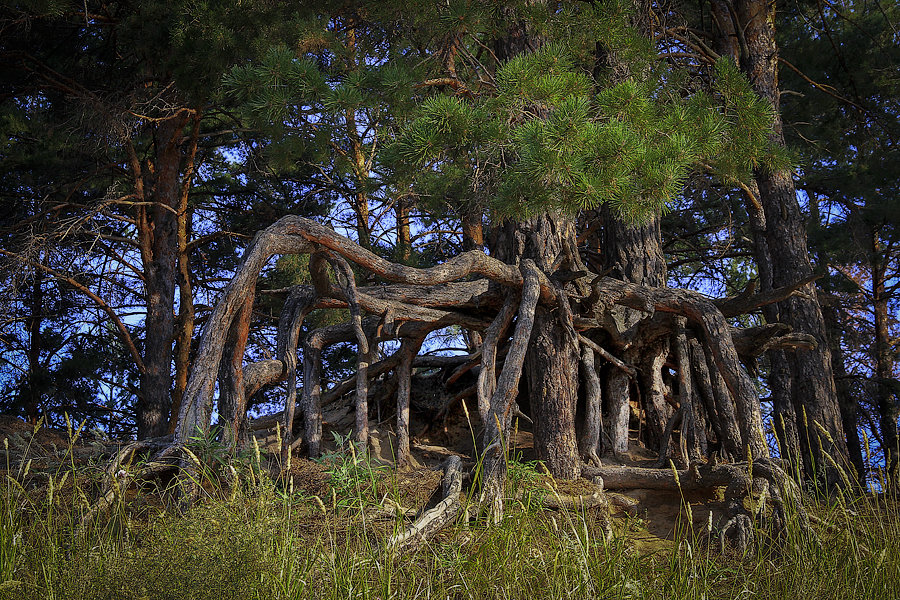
{"x": 633, "y": 253}
{"x": 299, "y": 303}
{"x": 552, "y": 359}
{"x": 404, "y": 237}
{"x": 312, "y": 399}
{"x": 158, "y": 239}
{"x": 232, "y": 391}
{"x": 404, "y": 377}
{"x": 589, "y": 443}
{"x": 185, "y": 323}
{"x": 888, "y": 407}
{"x": 497, "y": 425}
{"x": 691, "y": 435}
{"x": 812, "y": 380}
{"x": 473, "y": 230}
{"x": 552, "y": 370}
{"x": 849, "y": 407}
{"x": 618, "y": 412}
{"x": 35, "y": 347}
{"x": 720, "y": 406}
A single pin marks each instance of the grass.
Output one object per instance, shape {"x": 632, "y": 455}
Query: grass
{"x": 264, "y": 540}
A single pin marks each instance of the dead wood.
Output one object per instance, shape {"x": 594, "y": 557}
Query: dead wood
{"x": 556, "y": 501}
{"x": 487, "y": 376}
{"x": 118, "y": 477}
{"x": 764, "y": 482}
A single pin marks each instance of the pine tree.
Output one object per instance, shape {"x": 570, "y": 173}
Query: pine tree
{"x": 522, "y": 116}
{"x": 845, "y": 126}
{"x": 137, "y": 84}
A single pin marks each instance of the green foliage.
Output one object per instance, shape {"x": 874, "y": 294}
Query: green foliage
{"x": 523, "y": 481}
{"x": 845, "y": 127}
{"x": 354, "y": 477}
{"x": 553, "y": 137}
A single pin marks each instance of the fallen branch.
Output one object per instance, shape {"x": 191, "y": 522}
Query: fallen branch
{"x": 564, "y": 502}
{"x": 119, "y": 479}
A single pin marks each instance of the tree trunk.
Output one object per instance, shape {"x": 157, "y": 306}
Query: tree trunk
{"x": 589, "y": 443}
{"x": 779, "y": 379}
{"x": 473, "y": 230}
{"x": 232, "y": 392}
{"x": 849, "y": 408}
{"x": 404, "y": 238}
{"x": 812, "y": 380}
{"x": 404, "y": 376}
{"x": 35, "y": 346}
{"x": 888, "y": 407}
{"x": 185, "y": 323}
{"x": 552, "y": 369}
{"x": 719, "y": 403}
{"x": 633, "y": 253}
{"x": 158, "y": 239}
{"x": 552, "y": 359}
{"x": 360, "y": 201}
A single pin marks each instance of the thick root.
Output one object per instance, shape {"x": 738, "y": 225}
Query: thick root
{"x": 118, "y": 479}
{"x": 438, "y": 517}
{"x": 773, "y": 496}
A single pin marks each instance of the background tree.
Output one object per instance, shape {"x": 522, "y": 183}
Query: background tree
{"x": 844, "y": 124}
{"x": 137, "y": 82}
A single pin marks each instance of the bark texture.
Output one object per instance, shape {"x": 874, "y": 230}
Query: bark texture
{"x": 553, "y": 354}
{"x": 811, "y": 379}
{"x": 159, "y": 186}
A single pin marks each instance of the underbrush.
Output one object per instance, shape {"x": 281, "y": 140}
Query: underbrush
{"x": 252, "y": 537}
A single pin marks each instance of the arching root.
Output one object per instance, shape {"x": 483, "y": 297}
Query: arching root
{"x": 119, "y": 479}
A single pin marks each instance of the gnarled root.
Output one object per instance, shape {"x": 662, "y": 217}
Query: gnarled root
{"x": 762, "y": 482}
{"x": 438, "y": 517}
{"x": 118, "y": 479}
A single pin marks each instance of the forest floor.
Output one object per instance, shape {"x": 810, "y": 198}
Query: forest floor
{"x": 263, "y": 529}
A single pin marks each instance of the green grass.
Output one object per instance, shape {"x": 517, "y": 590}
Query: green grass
{"x": 260, "y": 540}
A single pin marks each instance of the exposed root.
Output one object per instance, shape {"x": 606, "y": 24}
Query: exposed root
{"x": 627, "y": 505}
{"x": 764, "y": 483}
{"x": 557, "y": 501}
{"x": 437, "y": 518}
{"x": 739, "y": 529}
{"x": 118, "y": 478}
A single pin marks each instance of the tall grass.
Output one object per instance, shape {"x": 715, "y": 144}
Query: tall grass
{"x": 262, "y": 539}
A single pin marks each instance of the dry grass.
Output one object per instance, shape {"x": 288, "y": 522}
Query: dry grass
{"x": 294, "y": 538}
